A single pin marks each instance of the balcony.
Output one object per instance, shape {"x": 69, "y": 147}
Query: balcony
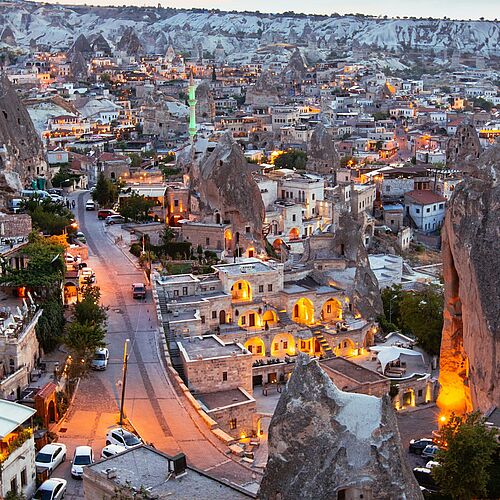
{"x": 11, "y": 446}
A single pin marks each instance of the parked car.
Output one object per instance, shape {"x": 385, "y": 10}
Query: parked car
{"x": 100, "y": 361}
{"x": 90, "y": 205}
{"x": 430, "y": 464}
{"x": 122, "y": 437}
{"x": 81, "y": 237}
{"x": 114, "y": 219}
{"x": 50, "y": 456}
{"x": 51, "y": 489}
{"x": 111, "y": 450}
{"x": 105, "y": 212}
{"x": 83, "y": 456}
{"x": 430, "y": 451}
{"x": 425, "y": 479}
{"x": 56, "y": 198}
{"x": 417, "y": 446}
{"x": 139, "y": 291}
{"x": 57, "y": 191}
{"x": 88, "y": 276}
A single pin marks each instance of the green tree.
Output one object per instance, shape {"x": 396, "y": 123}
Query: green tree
{"x": 136, "y": 207}
{"x": 480, "y": 102}
{"x": 106, "y": 193}
{"x": 295, "y": 158}
{"x": 47, "y": 216}
{"x": 50, "y": 326}
{"x": 421, "y": 314}
{"x": 136, "y": 160}
{"x": 167, "y": 236}
{"x": 464, "y": 467}
{"x": 83, "y": 339}
{"x": 88, "y": 310}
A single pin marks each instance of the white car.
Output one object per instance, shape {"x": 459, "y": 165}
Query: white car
{"x": 430, "y": 464}
{"x": 50, "y": 456}
{"x": 122, "y": 437}
{"x": 111, "y": 450}
{"x": 100, "y": 361}
{"x": 52, "y": 489}
{"x": 430, "y": 451}
{"x": 90, "y": 205}
{"x": 83, "y": 456}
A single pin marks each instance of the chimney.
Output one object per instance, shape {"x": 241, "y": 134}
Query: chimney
{"x": 178, "y": 464}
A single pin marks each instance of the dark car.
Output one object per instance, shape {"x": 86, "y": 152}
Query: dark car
{"x": 139, "y": 291}
{"x": 105, "y": 212}
{"x": 417, "y": 446}
{"x": 424, "y": 478}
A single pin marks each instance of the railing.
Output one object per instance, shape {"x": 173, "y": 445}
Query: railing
{"x": 22, "y": 436}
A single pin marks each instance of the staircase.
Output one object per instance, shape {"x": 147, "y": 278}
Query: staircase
{"x": 327, "y": 350}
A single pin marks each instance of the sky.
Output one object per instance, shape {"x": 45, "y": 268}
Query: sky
{"x": 454, "y": 9}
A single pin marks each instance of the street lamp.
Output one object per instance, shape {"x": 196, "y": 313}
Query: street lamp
{"x": 124, "y": 379}
{"x": 390, "y": 307}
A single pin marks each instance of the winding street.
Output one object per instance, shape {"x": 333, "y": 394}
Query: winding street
{"x": 158, "y": 413}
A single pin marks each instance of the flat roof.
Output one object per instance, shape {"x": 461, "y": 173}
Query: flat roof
{"x": 352, "y": 370}
{"x": 209, "y": 346}
{"x": 12, "y": 415}
{"x": 147, "y": 468}
{"x": 248, "y": 266}
{"x": 221, "y": 399}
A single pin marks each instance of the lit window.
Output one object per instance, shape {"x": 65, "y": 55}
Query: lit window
{"x": 233, "y": 423}
{"x": 224, "y": 376}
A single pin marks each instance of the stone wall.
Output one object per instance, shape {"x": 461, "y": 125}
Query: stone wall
{"x": 243, "y": 413}
{"x": 14, "y": 225}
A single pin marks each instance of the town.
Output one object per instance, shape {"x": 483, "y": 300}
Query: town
{"x": 263, "y": 269}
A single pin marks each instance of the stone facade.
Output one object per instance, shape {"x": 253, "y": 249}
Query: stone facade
{"x": 15, "y": 225}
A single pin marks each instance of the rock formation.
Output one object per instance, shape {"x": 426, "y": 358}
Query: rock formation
{"x": 205, "y": 103}
{"x": 345, "y": 246}
{"x": 470, "y": 348}
{"x": 322, "y": 157}
{"x": 464, "y": 148}
{"x": 295, "y": 70}
{"x": 78, "y": 65}
{"x": 265, "y": 92}
{"x": 100, "y": 44}
{"x": 21, "y": 151}
{"x": 324, "y": 442}
{"x": 8, "y": 37}
{"x": 81, "y": 46}
{"x": 225, "y": 184}
{"x": 130, "y": 43}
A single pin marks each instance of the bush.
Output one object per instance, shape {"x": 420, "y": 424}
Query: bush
{"x": 136, "y": 249}
{"x": 49, "y": 329}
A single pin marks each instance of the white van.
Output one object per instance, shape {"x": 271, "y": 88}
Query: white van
{"x": 34, "y": 193}
{"x": 15, "y": 205}
{"x": 90, "y": 205}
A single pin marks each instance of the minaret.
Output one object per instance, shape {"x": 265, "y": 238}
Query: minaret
{"x": 192, "y": 107}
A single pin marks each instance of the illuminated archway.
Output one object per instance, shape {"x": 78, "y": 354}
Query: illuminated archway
{"x": 256, "y": 346}
{"x": 303, "y": 312}
{"x": 283, "y": 344}
{"x": 250, "y": 319}
{"x": 241, "y": 291}
{"x": 345, "y": 347}
{"x": 277, "y": 244}
{"x": 331, "y": 310}
{"x": 228, "y": 239}
{"x": 270, "y": 318}
{"x": 294, "y": 234}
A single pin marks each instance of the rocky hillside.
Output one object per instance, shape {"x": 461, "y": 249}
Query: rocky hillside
{"x": 241, "y": 34}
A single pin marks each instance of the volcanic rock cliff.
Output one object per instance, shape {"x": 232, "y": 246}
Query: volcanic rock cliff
{"x": 322, "y": 157}
{"x": 21, "y": 151}
{"x": 225, "y": 185}
{"x": 264, "y": 92}
{"x": 324, "y": 443}
{"x": 470, "y": 348}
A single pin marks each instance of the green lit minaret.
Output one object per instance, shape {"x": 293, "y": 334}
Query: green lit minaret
{"x": 192, "y": 107}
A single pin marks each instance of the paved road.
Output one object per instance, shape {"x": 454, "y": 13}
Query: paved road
{"x": 152, "y": 405}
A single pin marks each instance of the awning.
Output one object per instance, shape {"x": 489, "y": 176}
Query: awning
{"x": 12, "y": 415}
{"x": 386, "y": 354}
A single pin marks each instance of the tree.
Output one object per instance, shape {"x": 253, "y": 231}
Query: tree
{"x": 136, "y": 207}
{"x": 167, "y": 235}
{"x": 88, "y": 310}
{"x": 47, "y": 216}
{"x": 83, "y": 340}
{"x": 50, "y": 326}
{"x": 106, "y": 193}
{"x": 427, "y": 304}
{"x": 136, "y": 160}
{"x": 291, "y": 159}
{"x": 464, "y": 467}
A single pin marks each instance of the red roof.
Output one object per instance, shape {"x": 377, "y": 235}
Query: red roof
{"x": 425, "y": 197}
{"x": 111, "y": 157}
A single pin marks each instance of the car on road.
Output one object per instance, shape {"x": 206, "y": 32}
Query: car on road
{"x": 417, "y": 446}
{"x": 430, "y": 451}
{"x": 430, "y": 464}
{"x": 51, "y": 489}
{"x": 56, "y": 198}
{"x": 100, "y": 360}
{"x": 50, "y": 456}
{"x": 139, "y": 291}
{"x": 114, "y": 219}
{"x": 90, "y": 205}
{"x": 122, "y": 437}
{"x": 111, "y": 450}
{"x": 88, "y": 276}
{"x": 424, "y": 478}
{"x": 105, "y": 212}
{"x": 81, "y": 237}
{"x": 83, "y": 456}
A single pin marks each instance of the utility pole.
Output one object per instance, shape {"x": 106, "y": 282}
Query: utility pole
{"x": 124, "y": 379}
